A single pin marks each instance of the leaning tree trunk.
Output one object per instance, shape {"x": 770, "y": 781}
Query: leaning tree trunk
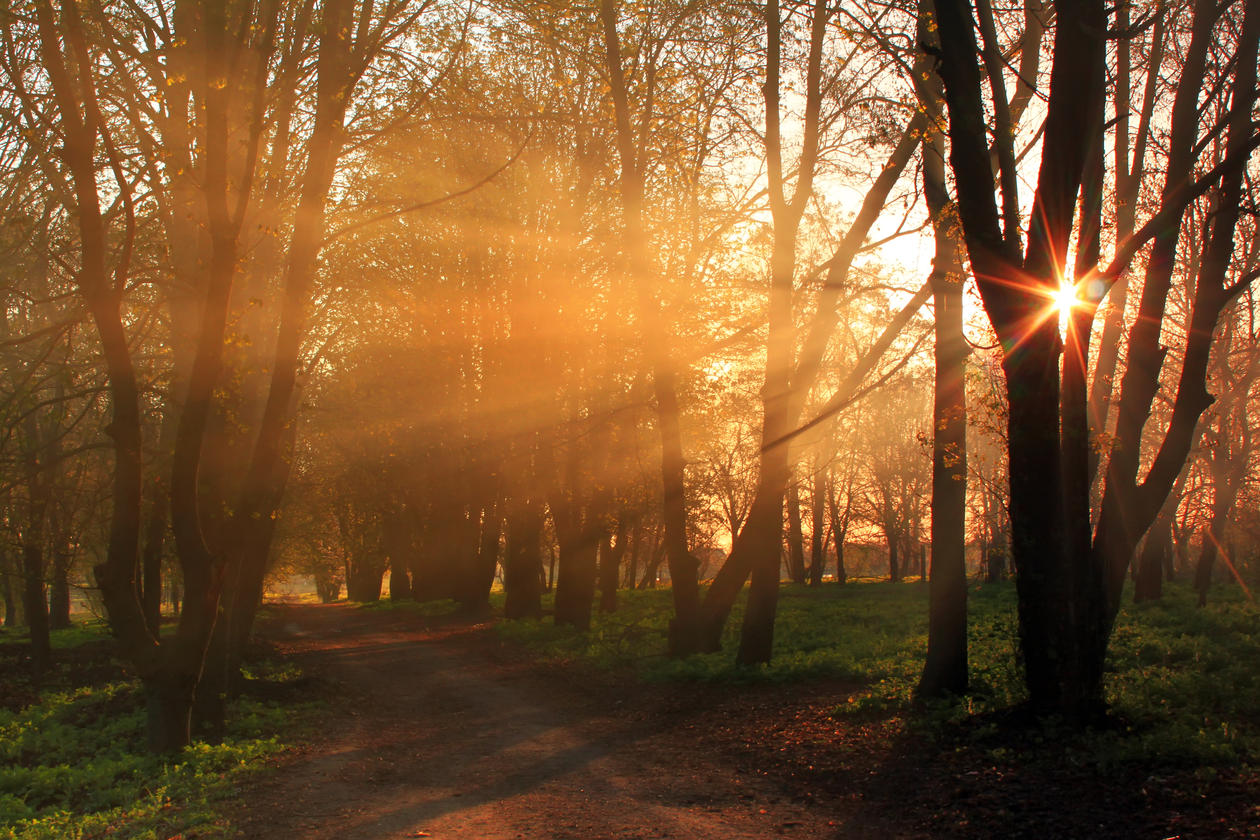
{"x": 756, "y": 550}
{"x": 257, "y": 509}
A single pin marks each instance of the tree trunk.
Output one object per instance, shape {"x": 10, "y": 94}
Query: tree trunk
{"x": 1208, "y": 551}
{"x": 761, "y": 540}
{"x": 1058, "y": 586}
{"x": 577, "y": 569}
{"x": 7, "y": 588}
{"x": 522, "y": 563}
{"x": 1129, "y": 508}
{"x": 327, "y": 588}
{"x": 151, "y": 560}
{"x": 59, "y": 596}
{"x": 839, "y": 532}
{"x": 1044, "y": 595}
{"x": 818, "y": 530}
{"x": 994, "y": 564}
{"x": 217, "y": 682}
{"x": 1148, "y": 585}
{"x": 611, "y": 550}
{"x": 267, "y": 475}
{"x": 35, "y": 602}
{"x": 575, "y": 583}
{"x": 759, "y": 546}
{"x": 475, "y": 593}
{"x": 945, "y": 669}
{"x": 684, "y": 626}
{"x": 756, "y": 550}
{"x": 168, "y": 705}
{"x": 651, "y": 572}
{"x": 796, "y": 537}
{"x": 636, "y": 545}
{"x": 399, "y": 581}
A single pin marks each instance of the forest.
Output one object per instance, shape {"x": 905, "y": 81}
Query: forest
{"x": 868, "y": 391}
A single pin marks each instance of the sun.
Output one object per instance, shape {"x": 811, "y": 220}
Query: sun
{"x": 1065, "y": 299}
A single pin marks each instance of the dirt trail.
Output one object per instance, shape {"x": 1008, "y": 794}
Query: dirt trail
{"x": 442, "y": 732}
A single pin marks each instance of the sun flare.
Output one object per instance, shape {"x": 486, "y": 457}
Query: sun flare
{"x": 1065, "y": 299}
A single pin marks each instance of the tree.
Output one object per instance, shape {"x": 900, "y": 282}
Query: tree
{"x": 790, "y": 376}
{"x": 1069, "y": 585}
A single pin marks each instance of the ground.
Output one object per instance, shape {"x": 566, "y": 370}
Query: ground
{"x": 442, "y": 729}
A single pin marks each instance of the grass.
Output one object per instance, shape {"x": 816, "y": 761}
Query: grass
{"x": 1183, "y": 682}
{"x": 81, "y": 631}
{"x": 430, "y": 609}
{"x": 73, "y": 762}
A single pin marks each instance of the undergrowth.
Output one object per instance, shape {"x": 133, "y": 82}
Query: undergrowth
{"x": 73, "y": 763}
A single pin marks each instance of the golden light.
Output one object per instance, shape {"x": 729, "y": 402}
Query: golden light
{"x": 1065, "y": 298}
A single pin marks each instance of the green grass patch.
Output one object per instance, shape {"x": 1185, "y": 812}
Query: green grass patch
{"x": 432, "y": 609}
{"x": 74, "y": 765}
{"x": 81, "y": 631}
{"x": 1184, "y": 682}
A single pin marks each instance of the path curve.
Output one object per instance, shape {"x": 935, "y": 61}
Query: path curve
{"x": 444, "y": 732}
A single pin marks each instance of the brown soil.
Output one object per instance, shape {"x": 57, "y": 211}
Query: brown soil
{"x": 442, "y": 730}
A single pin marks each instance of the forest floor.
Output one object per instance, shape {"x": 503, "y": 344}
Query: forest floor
{"x": 442, "y": 729}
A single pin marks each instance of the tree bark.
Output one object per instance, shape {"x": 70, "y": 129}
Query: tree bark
{"x": 65, "y": 56}
{"x": 578, "y": 565}
{"x": 475, "y": 594}
{"x": 818, "y": 530}
{"x": 796, "y": 536}
{"x": 11, "y": 599}
{"x": 59, "y": 594}
{"x": 1148, "y": 585}
{"x": 522, "y": 563}
{"x": 1014, "y": 287}
{"x": 338, "y": 70}
{"x": 611, "y": 550}
{"x": 35, "y": 601}
{"x": 151, "y": 558}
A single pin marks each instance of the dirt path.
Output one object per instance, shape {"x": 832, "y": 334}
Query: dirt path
{"x": 442, "y": 732}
